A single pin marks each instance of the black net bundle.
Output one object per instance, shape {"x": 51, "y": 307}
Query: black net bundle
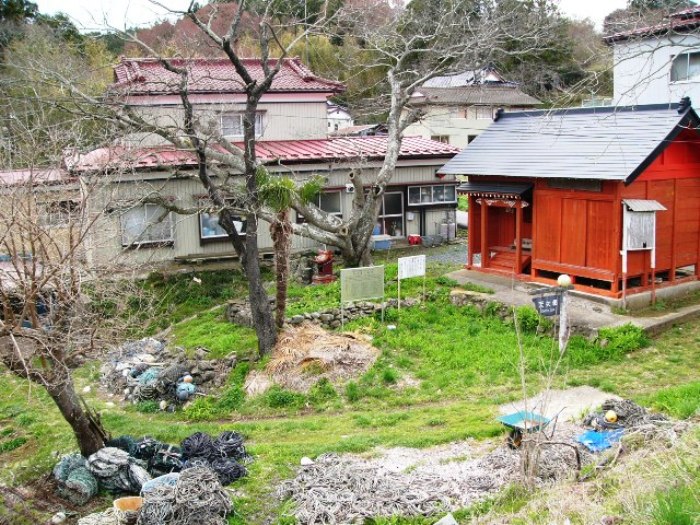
{"x": 196, "y": 462}
{"x": 228, "y": 470}
{"x": 166, "y": 459}
{"x": 198, "y": 445}
{"x": 230, "y": 445}
{"x": 126, "y": 443}
{"x": 146, "y": 448}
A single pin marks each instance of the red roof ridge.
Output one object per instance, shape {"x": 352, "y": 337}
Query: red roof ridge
{"x": 685, "y": 19}
{"x": 137, "y": 70}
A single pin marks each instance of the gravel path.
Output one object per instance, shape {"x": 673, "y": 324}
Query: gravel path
{"x": 453, "y": 254}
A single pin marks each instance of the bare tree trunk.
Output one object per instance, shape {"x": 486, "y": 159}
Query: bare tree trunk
{"x": 281, "y": 233}
{"x": 88, "y": 431}
{"x": 263, "y": 320}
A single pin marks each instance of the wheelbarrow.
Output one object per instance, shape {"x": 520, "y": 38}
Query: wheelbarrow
{"x": 521, "y": 423}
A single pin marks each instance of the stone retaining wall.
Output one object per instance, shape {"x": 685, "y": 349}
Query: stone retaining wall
{"x": 238, "y": 312}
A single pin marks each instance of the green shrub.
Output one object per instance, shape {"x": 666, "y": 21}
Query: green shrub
{"x": 278, "y": 397}
{"x": 233, "y": 396}
{"x": 147, "y": 407}
{"x": 446, "y": 281}
{"x": 528, "y": 318}
{"x": 682, "y": 401}
{"x": 352, "y": 391}
{"x": 390, "y": 376}
{"x": 463, "y": 203}
{"x": 622, "y": 339}
{"x": 679, "y": 506}
{"x": 322, "y": 391}
{"x": 12, "y": 444}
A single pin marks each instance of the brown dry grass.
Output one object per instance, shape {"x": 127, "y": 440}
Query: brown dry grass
{"x": 307, "y": 353}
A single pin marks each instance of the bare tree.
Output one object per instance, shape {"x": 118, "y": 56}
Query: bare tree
{"x": 49, "y": 322}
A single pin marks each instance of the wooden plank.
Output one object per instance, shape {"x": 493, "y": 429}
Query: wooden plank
{"x": 580, "y": 271}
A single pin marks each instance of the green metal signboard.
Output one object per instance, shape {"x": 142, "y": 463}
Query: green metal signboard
{"x": 358, "y": 284}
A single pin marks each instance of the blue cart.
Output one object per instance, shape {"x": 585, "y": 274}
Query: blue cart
{"x": 520, "y": 423}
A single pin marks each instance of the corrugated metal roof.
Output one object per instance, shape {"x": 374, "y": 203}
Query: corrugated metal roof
{"x": 147, "y": 76}
{"x": 289, "y": 151}
{"x": 39, "y": 176}
{"x": 644, "y": 205}
{"x": 499, "y": 94}
{"x": 603, "y": 143}
{"x": 494, "y": 188}
{"x": 466, "y": 78}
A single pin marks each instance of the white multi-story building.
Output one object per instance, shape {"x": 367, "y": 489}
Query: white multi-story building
{"x": 658, "y": 64}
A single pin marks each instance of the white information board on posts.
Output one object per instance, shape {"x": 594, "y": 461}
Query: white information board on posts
{"x": 412, "y": 266}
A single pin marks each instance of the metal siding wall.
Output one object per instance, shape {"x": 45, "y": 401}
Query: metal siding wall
{"x": 282, "y": 121}
{"x": 185, "y": 193}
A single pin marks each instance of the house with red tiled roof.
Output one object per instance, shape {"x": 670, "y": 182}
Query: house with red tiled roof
{"x": 660, "y": 63}
{"x": 292, "y": 139}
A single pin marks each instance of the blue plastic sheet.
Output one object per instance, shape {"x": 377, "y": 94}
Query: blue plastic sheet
{"x": 596, "y": 441}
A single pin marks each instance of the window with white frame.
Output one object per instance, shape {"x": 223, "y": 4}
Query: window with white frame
{"x": 232, "y": 124}
{"x": 685, "y": 66}
{"x": 390, "y": 218}
{"x": 329, "y": 201}
{"x": 59, "y": 213}
{"x": 209, "y": 227}
{"x": 146, "y": 224}
{"x": 436, "y": 194}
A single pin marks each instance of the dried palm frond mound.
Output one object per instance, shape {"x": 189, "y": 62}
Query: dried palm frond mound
{"x": 306, "y": 353}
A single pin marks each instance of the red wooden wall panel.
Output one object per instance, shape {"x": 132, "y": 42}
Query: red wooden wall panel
{"x": 547, "y": 227}
{"x": 573, "y": 232}
{"x": 600, "y": 241}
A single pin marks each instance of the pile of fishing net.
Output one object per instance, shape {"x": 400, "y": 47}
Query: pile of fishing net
{"x": 148, "y": 370}
{"x": 117, "y": 471}
{"x": 126, "y": 464}
{"x": 193, "y": 497}
{"x": 622, "y": 413}
{"x": 224, "y": 455}
{"x": 196, "y": 498}
{"x": 75, "y": 481}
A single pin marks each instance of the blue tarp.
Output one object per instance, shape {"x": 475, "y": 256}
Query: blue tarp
{"x": 596, "y": 441}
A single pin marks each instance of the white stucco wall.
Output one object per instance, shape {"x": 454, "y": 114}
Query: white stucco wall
{"x": 341, "y": 119}
{"x": 642, "y": 71}
{"x": 448, "y": 121}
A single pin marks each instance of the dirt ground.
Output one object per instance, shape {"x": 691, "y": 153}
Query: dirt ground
{"x": 569, "y": 405}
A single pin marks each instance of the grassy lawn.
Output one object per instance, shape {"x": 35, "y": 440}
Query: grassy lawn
{"x": 440, "y": 377}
